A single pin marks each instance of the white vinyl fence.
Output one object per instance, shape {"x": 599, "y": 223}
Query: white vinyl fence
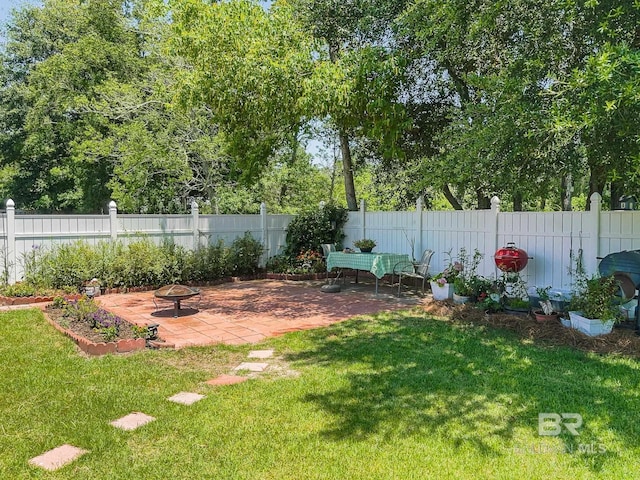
{"x": 549, "y": 238}
{"x": 19, "y": 234}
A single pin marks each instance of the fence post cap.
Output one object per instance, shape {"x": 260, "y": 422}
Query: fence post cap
{"x": 10, "y": 203}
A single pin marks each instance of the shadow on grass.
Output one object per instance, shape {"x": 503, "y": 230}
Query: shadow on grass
{"x": 402, "y": 375}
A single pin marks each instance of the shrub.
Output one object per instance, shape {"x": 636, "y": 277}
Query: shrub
{"x": 142, "y": 264}
{"x": 174, "y": 260}
{"x": 207, "y": 263}
{"x": 63, "y": 265}
{"x": 309, "y": 230}
{"x": 244, "y": 255}
{"x": 110, "y": 263}
{"x": 19, "y": 289}
{"x": 279, "y": 264}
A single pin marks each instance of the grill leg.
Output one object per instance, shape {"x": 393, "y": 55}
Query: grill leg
{"x": 638, "y": 317}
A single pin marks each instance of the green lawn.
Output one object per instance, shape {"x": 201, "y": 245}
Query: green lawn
{"x": 397, "y": 396}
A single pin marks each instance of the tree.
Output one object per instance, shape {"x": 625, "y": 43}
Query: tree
{"x": 246, "y": 64}
{"x": 357, "y": 76}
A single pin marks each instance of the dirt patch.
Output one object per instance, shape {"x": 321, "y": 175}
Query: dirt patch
{"x": 623, "y": 341}
{"x": 83, "y": 329}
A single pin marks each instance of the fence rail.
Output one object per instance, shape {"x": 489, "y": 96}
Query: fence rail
{"x": 550, "y": 238}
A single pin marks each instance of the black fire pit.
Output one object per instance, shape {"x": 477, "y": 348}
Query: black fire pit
{"x": 625, "y": 267}
{"x": 176, "y": 293}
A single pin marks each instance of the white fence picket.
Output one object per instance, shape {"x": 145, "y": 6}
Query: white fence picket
{"x": 547, "y": 237}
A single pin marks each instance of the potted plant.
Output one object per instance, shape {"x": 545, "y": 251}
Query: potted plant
{"x": 546, "y": 312}
{"x": 490, "y": 302}
{"x": 464, "y": 286}
{"x": 92, "y": 288}
{"x": 365, "y": 245}
{"x": 442, "y": 283}
{"x": 596, "y": 310}
{"x": 462, "y": 290}
{"x": 516, "y": 299}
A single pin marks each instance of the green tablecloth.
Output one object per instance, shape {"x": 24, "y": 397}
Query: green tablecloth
{"x": 377, "y": 263}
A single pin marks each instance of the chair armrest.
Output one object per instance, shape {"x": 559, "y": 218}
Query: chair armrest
{"x": 403, "y": 267}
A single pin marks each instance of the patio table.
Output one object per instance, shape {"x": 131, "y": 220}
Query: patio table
{"x": 379, "y": 264}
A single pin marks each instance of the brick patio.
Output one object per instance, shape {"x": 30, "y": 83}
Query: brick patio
{"x": 248, "y": 312}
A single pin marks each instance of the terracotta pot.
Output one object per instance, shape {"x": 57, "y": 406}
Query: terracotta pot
{"x": 540, "y": 316}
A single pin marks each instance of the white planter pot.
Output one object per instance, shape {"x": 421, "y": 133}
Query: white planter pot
{"x": 460, "y": 299}
{"x": 441, "y": 292}
{"x": 589, "y": 326}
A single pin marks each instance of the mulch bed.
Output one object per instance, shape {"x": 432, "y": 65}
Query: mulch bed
{"x": 622, "y": 341}
{"x": 83, "y": 329}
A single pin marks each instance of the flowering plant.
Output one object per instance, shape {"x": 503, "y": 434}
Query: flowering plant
{"x": 467, "y": 281}
{"x": 308, "y": 257}
{"x": 449, "y": 274}
{"x": 307, "y": 261}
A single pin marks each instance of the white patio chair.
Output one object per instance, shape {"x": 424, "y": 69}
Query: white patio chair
{"x": 327, "y": 248}
{"x": 419, "y": 270}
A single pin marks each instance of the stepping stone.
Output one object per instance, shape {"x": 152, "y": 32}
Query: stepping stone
{"x": 58, "y": 457}
{"x": 261, "y": 354}
{"x": 226, "y": 380}
{"x": 132, "y": 421}
{"x": 186, "y": 398}
{"x": 252, "y": 367}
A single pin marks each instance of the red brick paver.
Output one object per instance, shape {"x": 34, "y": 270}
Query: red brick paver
{"x": 58, "y": 457}
{"x": 247, "y": 312}
{"x": 222, "y": 380}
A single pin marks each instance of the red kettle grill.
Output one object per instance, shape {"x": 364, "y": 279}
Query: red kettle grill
{"x": 511, "y": 258}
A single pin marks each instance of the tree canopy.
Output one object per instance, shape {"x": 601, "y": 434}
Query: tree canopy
{"x": 155, "y": 104}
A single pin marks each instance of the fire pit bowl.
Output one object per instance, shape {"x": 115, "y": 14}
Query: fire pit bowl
{"x": 175, "y": 293}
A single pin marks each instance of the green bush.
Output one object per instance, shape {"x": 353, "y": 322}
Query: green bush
{"x": 208, "y": 263}
{"x": 309, "y": 230}
{"x": 244, "y": 255}
{"x": 174, "y": 259}
{"x": 279, "y": 264}
{"x": 140, "y": 263}
{"x": 62, "y": 265}
{"x": 20, "y": 289}
{"x": 110, "y": 263}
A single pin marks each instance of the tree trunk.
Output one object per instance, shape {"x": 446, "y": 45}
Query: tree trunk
{"x": 333, "y": 174}
{"x": 484, "y": 203}
{"x": 617, "y": 191}
{"x": 596, "y": 183}
{"x": 347, "y": 172}
{"x": 345, "y": 149}
{"x": 566, "y": 192}
{"x": 517, "y": 202}
{"x": 451, "y": 197}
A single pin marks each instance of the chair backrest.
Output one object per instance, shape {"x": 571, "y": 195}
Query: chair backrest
{"x": 328, "y": 247}
{"x": 423, "y": 267}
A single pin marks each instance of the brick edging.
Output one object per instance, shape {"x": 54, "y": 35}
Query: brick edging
{"x": 100, "y": 348}
{"x": 6, "y": 301}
